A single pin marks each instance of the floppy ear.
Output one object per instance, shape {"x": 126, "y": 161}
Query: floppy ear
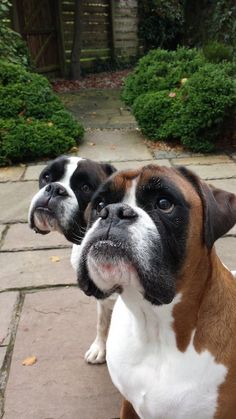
{"x": 219, "y": 212}
{"x": 108, "y": 169}
{"x": 219, "y": 208}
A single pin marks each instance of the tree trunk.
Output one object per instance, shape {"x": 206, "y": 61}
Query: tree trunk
{"x": 77, "y": 42}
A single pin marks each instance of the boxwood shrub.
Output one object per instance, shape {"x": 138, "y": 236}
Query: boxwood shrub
{"x": 34, "y": 123}
{"x": 197, "y": 109}
{"x": 161, "y": 70}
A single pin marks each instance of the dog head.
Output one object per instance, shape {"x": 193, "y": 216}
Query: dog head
{"x": 66, "y": 187}
{"x": 146, "y": 226}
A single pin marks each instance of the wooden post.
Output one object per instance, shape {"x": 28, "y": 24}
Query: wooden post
{"x": 61, "y": 43}
{"x": 77, "y": 41}
{"x": 112, "y": 30}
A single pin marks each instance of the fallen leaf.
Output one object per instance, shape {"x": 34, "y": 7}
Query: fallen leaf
{"x": 74, "y": 149}
{"x": 184, "y": 80}
{"x": 55, "y": 259}
{"x": 92, "y": 144}
{"x": 31, "y": 360}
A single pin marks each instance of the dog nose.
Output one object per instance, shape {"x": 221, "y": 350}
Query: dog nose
{"x": 55, "y": 189}
{"x": 117, "y": 212}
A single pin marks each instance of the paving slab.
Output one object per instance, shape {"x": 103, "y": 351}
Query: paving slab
{"x": 214, "y": 171}
{"x": 8, "y": 303}
{"x": 15, "y": 200}
{"x": 57, "y": 327}
{"x": 20, "y": 236}
{"x": 33, "y": 172}
{"x": 99, "y": 108}
{"x": 11, "y": 173}
{"x": 206, "y": 160}
{"x": 137, "y": 164}
{"x": 35, "y": 269}
{"x": 225, "y": 184}
{"x": 226, "y": 249}
{"x": 116, "y": 145}
{"x": 172, "y": 154}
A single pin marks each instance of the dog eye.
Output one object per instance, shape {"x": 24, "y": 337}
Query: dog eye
{"x": 100, "y": 206}
{"x": 85, "y": 188}
{"x": 164, "y": 205}
{"x": 46, "y": 177}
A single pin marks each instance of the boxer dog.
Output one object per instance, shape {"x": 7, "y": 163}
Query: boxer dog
{"x": 66, "y": 187}
{"x": 171, "y": 348}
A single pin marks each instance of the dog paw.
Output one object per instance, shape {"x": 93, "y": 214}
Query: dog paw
{"x": 96, "y": 354}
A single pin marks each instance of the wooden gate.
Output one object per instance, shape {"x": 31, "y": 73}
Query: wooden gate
{"x": 37, "y": 21}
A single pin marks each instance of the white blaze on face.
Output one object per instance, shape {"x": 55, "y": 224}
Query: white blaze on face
{"x": 108, "y": 271}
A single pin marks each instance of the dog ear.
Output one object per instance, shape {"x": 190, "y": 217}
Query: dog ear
{"x": 108, "y": 169}
{"x": 219, "y": 208}
{"x": 219, "y": 212}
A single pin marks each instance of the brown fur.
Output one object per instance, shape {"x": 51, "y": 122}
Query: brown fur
{"x": 123, "y": 179}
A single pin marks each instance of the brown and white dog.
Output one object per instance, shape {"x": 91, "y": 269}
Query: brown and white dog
{"x": 171, "y": 348}
{"x": 67, "y": 185}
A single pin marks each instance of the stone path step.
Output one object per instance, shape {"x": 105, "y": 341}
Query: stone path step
{"x": 99, "y": 108}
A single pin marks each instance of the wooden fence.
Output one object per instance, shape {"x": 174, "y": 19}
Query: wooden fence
{"x": 109, "y": 30}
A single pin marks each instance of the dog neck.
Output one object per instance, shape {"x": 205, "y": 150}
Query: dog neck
{"x": 193, "y": 314}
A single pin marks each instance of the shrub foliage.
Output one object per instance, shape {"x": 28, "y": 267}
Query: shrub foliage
{"x": 34, "y": 123}
{"x": 179, "y": 95}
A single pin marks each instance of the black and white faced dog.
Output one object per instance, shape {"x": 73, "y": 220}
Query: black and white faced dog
{"x": 67, "y": 185}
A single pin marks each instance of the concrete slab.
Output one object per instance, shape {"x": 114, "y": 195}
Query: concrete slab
{"x": 11, "y": 173}
{"x": 8, "y": 303}
{"x": 15, "y": 200}
{"x": 137, "y": 164}
{"x": 226, "y": 249}
{"x": 117, "y": 145}
{"x": 33, "y": 172}
{"x": 35, "y": 269}
{"x": 226, "y": 184}
{"x": 99, "y": 108}
{"x": 209, "y": 159}
{"x": 214, "y": 171}
{"x": 232, "y": 232}
{"x": 57, "y": 327}
{"x": 19, "y": 236}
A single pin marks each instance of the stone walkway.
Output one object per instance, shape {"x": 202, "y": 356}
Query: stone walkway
{"x": 42, "y": 313}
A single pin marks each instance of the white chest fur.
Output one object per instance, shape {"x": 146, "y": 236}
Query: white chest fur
{"x": 145, "y": 365}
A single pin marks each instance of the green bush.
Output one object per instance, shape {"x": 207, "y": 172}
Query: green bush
{"x": 196, "y": 113}
{"x": 216, "y": 52}
{"x": 12, "y": 47}
{"x": 34, "y": 123}
{"x": 31, "y": 139}
{"x": 161, "y": 70}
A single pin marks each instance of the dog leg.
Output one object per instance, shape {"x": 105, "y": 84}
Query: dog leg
{"x": 97, "y": 351}
{"x": 127, "y": 411}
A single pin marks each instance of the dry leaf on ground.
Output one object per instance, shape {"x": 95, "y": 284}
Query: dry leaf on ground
{"x": 31, "y": 360}
{"x": 55, "y": 259}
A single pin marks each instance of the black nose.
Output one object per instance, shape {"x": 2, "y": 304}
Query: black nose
{"x": 117, "y": 212}
{"x": 55, "y": 189}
